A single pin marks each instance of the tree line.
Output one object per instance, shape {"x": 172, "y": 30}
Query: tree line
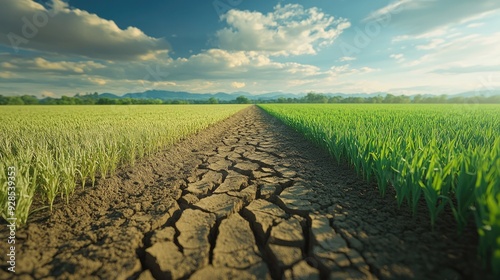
{"x": 390, "y": 99}
{"x": 95, "y": 99}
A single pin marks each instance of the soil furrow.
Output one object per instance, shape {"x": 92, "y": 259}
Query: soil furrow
{"x": 249, "y": 199}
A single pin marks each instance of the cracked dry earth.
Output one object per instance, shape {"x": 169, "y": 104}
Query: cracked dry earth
{"x": 246, "y": 199}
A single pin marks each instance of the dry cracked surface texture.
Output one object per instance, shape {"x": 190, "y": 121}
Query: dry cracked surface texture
{"x": 246, "y": 199}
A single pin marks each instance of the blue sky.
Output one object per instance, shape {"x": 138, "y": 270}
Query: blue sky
{"x": 56, "y": 47}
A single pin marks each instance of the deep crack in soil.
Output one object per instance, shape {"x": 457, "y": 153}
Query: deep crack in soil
{"x": 248, "y": 198}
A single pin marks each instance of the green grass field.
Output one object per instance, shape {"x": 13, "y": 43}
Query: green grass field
{"x": 54, "y": 148}
{"x": 447, "y": 155}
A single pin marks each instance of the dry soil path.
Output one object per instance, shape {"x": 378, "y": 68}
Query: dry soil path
{"x": 246, "y": 199}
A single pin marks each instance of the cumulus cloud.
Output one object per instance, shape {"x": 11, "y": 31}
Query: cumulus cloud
{"x": 237, "y": 69}
{"x": 25, "y": 24}
{"x": 417, "y": 17}
{"x": 288, "y": 30}
{"x": 223, "y": 64}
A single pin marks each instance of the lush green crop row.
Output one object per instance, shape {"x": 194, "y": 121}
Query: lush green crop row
{"x": 56, "y": 148}
{"x": 449, "y": 155}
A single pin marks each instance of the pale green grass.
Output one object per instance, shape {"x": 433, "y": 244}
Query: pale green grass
{"x": 54, "y": 148}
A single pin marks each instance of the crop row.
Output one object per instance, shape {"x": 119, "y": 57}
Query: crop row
{"x": 55, "y": 148}
{"x": 449, "y": 155}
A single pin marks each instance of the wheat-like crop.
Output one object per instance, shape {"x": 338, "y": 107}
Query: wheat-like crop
{"x": 54, "y": 148}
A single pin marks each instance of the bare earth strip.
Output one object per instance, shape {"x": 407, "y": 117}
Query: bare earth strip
{"x": 245, "y": 199}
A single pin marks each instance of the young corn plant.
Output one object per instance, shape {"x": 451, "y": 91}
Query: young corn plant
{"x": 464, "y": 192}
{"x": 82, "y": 168}
{"x": 25, "y": 193}
{"x": 49, "y": 178}
{"x": 420, "y": 151}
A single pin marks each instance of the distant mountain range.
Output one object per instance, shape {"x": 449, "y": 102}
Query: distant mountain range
{"x": 180, "y": 95}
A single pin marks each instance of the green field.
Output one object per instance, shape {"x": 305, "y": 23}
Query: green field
{"x": 447, "y": 155}
{"x": 54, "y": 148}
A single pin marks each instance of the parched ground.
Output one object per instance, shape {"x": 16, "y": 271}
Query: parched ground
{"x": 246, "y": 199}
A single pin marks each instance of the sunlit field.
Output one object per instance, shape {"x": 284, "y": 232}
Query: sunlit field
{"x": 56, "y": 148}
{"x": 447, "y": 155}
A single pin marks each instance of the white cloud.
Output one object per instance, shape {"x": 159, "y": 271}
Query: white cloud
{"x": 471, "y": 51}
{"x": 433, "y": 44}
{"x": 399, "y": 57}
{"x": 222, "y": 68}
{"x": 222, "y": 64}
{"x": 210, "y": 71}
{"x": 39, "y": 64}
{"x": 98, "y": 81}
{"x": 347, "y": 58}
{"x": 288, "y": 30}
{"x": 419, "y": 61}
{"x": 64, "y": 30}
{"x": 461, "y": 69}
{"x": 475, "y": 24}
{"x": 417, "y": 17}
{"x": 392, "y": 8}
{"x": 435, "y": 33}
{"x": 346, "y": 69}
{"x": 247, "y": 57}
{"x": 238, "y": 85}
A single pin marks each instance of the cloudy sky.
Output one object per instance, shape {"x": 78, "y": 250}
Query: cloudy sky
{"x": 63, "y": 47}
